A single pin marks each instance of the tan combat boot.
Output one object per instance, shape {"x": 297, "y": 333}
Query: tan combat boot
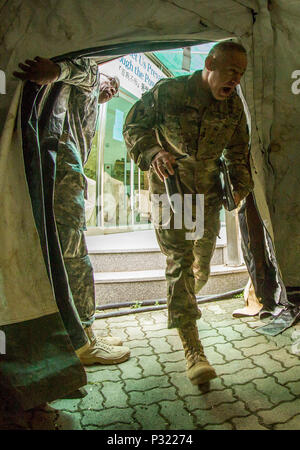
{"x": 99, "y": 352}
{"x": 109, "y": 340}
{"x": 199, "y": 370}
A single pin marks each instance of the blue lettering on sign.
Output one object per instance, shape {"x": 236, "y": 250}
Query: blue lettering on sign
{"x": 144, "y": 72}
{"x": 153, "y": 72}
{"x": 128, "y": 64}
{"x": 142, "y": 62}
{"x": 138, "y": 72}
{"x": 134, "y": 56}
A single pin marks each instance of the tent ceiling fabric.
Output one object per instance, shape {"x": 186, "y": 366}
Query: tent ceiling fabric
{"x": 53, "y": 28}
{"x": 71, "y": 25}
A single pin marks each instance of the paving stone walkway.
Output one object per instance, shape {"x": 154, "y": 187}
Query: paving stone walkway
{"x": 257, "y": 388}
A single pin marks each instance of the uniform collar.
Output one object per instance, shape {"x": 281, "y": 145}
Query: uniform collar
{"x": 195, "y": 91}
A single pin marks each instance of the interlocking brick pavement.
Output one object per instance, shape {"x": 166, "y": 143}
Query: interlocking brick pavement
{"x": 257, "y": 387}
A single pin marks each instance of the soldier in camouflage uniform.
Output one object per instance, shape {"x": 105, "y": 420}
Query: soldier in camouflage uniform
{"x": 83, "y": 88}
{"x": 201, "y": 117}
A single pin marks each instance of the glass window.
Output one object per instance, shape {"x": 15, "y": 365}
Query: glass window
{"x": 118, "y": 190}
{"x": 91, "y": 173}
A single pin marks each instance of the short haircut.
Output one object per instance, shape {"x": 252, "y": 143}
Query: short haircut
{"x": 114, "y": 79}
{"x": 226, "y": 46}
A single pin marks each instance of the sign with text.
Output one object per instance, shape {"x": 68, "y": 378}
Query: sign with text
{"x": 137, "y": 73}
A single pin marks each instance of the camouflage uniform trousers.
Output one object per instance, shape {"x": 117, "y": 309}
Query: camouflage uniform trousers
{"x": 70, "y": 220}
{"x": 184, "y": 256}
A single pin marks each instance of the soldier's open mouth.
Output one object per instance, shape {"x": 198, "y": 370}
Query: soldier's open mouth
{"x": 226, "y": 90}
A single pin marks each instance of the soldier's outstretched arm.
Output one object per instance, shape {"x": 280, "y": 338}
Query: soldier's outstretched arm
{"x": 82, "y": 72}
{"x": 40, "y": 70}
{"x": 79, "y": 72}
{"x": 140, "y": 136}
{"x": 237, "y": 155}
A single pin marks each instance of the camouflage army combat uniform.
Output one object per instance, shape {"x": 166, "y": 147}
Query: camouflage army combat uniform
{"x": 81, "y": 90}
{"x": 183, "y": 119}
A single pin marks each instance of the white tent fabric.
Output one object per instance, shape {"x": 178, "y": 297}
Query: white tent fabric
{"x": 54, "y": 27}
{"x": 268, "y": 29}
{"x": 25, "y": 291}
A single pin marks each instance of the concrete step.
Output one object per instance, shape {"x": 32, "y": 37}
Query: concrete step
{"x": 147, "y": 259}
{"x": 135, "y": 251}
{"x": 137, "y": 285}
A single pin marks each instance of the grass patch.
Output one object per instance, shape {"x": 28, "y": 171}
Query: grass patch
{"x": 241, "y": 295}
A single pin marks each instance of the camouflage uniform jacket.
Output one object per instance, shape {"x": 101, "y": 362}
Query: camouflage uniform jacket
{"x": 74, "y": 127}
{"x": 169, "y": 116}
{"x": 81, "y": 86}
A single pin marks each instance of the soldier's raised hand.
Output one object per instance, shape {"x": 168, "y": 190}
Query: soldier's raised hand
{"x": 40, "y": 71}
